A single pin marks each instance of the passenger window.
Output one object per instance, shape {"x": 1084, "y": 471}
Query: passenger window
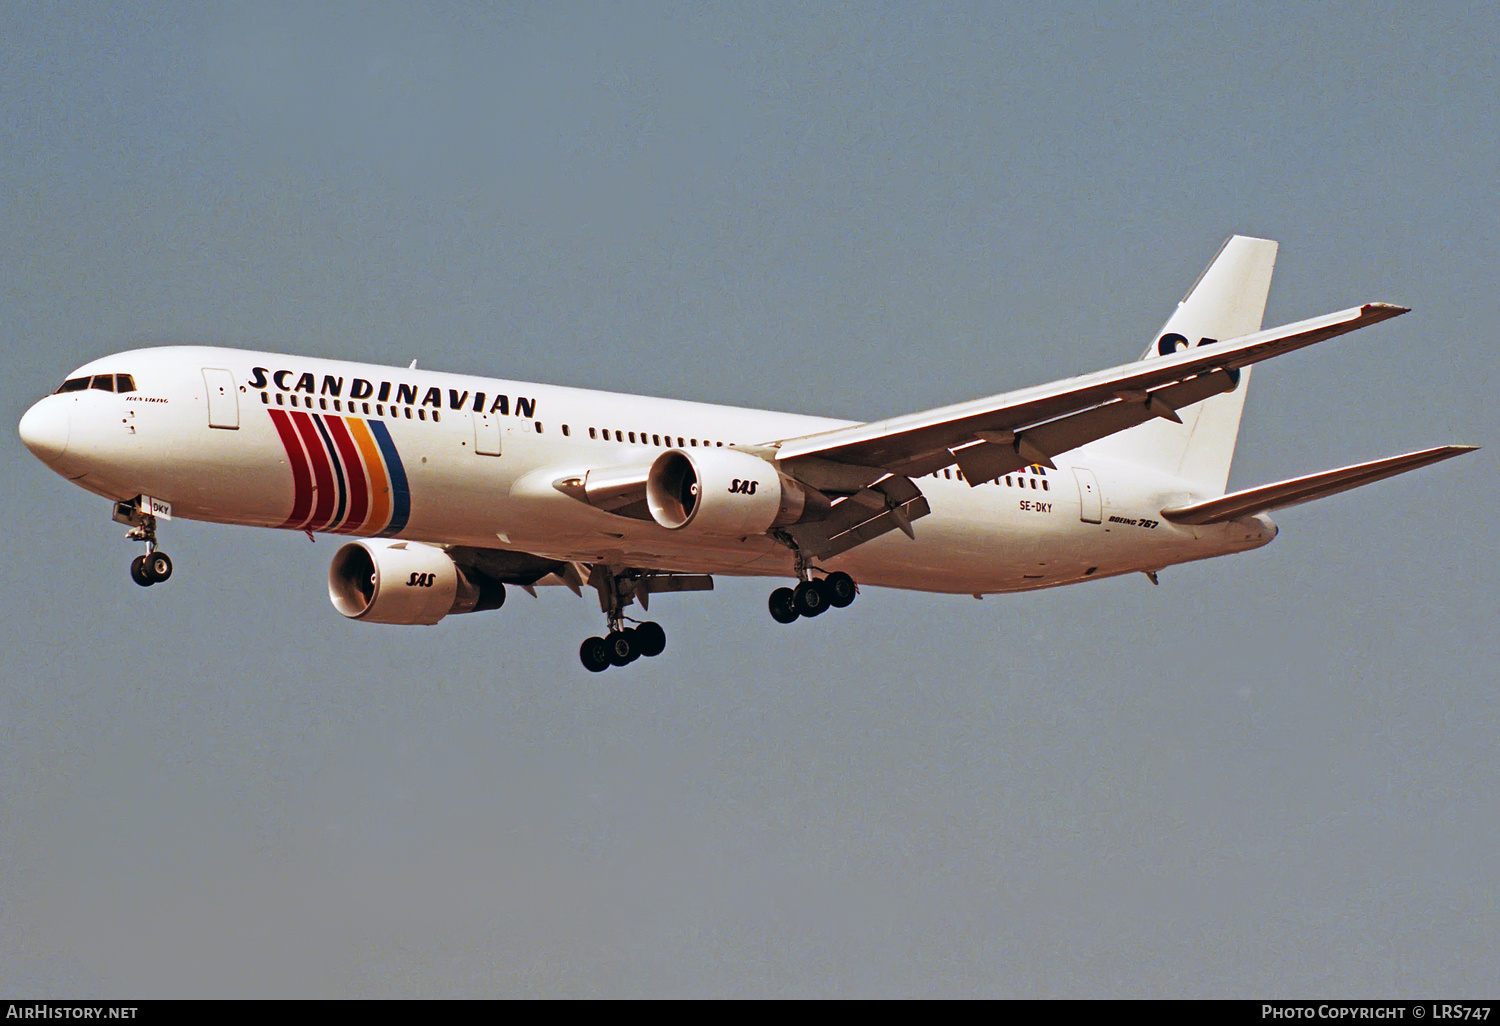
{"x": 538, "y": 426}
{"x": 422, "y": 414}
{"x": 593, "y": 433}
{"x": 435, "y": 416}
{"x": 632, "y": 436}
{"x": 566, "y": 432}
{"x": 656, "y": 439}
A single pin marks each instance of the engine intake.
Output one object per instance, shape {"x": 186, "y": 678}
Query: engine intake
{"x": 727, "y": 493}
{"x": 406, "y": 582}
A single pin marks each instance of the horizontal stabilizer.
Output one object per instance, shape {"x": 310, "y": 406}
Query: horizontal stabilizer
{"x": 1305, "y": 489}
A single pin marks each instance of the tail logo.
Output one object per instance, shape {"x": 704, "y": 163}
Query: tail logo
{"x": 1172, "y": 342}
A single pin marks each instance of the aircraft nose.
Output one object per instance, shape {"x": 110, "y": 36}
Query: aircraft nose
{"x": 44, "y": 429}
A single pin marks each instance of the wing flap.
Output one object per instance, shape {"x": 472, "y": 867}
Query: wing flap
{"x": 1304, "y": 489}
{"x": 853, "y": 523}
{"x": 919, "y": 443}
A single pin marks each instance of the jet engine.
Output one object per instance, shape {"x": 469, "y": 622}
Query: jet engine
{"x": 721, "y": 491}
{"x": 406, "y": 582}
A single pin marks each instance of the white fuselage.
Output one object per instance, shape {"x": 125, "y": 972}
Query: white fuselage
{"x": 270, "y": 440}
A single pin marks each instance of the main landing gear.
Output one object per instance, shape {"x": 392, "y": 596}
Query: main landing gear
{"x": 812, "y": 597}
{"x": 155, "y": 566}
{"x": 622, "y": 644}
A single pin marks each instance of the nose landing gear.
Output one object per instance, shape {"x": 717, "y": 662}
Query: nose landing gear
{"x": 152, "y": 568}
{"x": 155, "y": 566}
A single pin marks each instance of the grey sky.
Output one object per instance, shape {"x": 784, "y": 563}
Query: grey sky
{"x": 1272, "y": 775}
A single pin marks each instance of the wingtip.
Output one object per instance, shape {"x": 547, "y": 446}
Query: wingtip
{"x": 1382, "y": 311}
{"x": 1445, "y": 452}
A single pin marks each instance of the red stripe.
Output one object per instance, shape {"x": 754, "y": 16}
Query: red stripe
{"x": 297, "y": 460}
{"x": 359, "y": 500}
{"x": 327, "y": 493}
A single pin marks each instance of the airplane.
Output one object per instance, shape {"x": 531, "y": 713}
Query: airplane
{"x": 455, "y": 486}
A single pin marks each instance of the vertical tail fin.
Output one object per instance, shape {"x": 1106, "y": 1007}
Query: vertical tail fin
{"x": 1227, "y": 301}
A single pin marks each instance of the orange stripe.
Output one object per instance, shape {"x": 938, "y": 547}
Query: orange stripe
{"x": 380, "y": 484}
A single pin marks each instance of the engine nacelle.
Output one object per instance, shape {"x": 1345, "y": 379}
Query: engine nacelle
{"x": 720, "y": 491}
{"x": 405, "y": 582}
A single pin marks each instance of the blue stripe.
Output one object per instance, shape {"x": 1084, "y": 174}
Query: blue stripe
{"x": 400, "y": 492}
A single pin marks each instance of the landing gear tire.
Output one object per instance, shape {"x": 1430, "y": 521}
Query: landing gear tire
{"x": 621, "y": 648}
{"x": 633, "y": 633}
{"x": 840, "y": 589}
{"x": 650, "y": 639}
{"x": 159, "y": 566}
{"x": 809, "y": 598}
{"x": 783, "y": 605}
{"x": 139, "y": 574}
{"x": 595, "y": 655}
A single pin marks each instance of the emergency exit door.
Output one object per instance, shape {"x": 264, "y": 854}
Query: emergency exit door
{"x": 486, "y": 434}
{"x": 1090, "y": 504}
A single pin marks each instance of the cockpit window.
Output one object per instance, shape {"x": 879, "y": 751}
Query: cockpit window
{"x": 103, "y": 382}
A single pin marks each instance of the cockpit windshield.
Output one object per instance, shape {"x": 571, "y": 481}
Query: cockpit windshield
{"x": 103, "y": 382}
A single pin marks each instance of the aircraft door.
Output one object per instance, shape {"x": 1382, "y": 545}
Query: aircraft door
{"x": 486, "y": 434}
{"x": 223, "y": 400}
{"x": 1090, "y": 503}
